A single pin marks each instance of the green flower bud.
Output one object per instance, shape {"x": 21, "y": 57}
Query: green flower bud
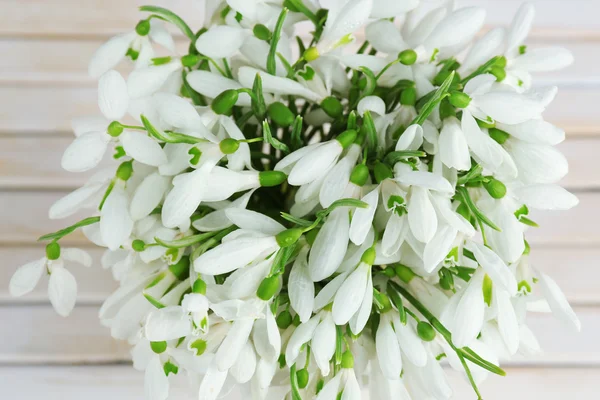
{"x": 288, "y": 237}
{"x": 261, "y": 32}
{"x": 229, "y": 146}
{"x": 404, "y": 273}
{"x": 501, "y": 62}
{"x": 332, "y": 107}
{"x": 268, "y": 287}
{"x": 284, "y": 320}
{"x": 143, "y": 27}
{"x": 199, "y": 286}
{"x": 302, "y": 378}
{"x": 161, "y": 60}
{"x": 495, "y": 188}
{"x": 408, "y": 97}
{"x": 346, "y": 138}
{"x": 369, "y": 256}
{"x": 499, "y": 73}
{"x": 359, "y": 175}
{"x": 138, "y": 245}
{"x": 190, "y": 60}
{"x": 125, "y": 170}
{"x": 498, "y": 135}
{"x": 281, "y": 114}
{"x": 459, "y": 99}
{"x": 199, "y": 345}
{"x": 181, "y": 269}
{"x": 271, "y": 178}
{"x": 311, "y": 54}
{"x": 347, "y": 360}
{"x": 114, "y": 129}
{"x": 382, "y": 172}
{"x": 53, "y": 251}
{"x": 224, "y": 102}
{"x": 407, "y": 57}
{"x": 425, "y": 331}
{"x": 158, "y": 347}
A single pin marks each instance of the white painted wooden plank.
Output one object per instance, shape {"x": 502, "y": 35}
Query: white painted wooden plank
{"x": 48, "y": 109}
{"x": 93, "y": 284}
{"x": 24, "y": 216}
{"x": 102, "y": 17}
{"x": 34, "y": 162}
{"x": 122, "y": 382}
{"x": 574, "y": 268}
{"x": 32, "y": 60}
{"x": 39, "y": 335}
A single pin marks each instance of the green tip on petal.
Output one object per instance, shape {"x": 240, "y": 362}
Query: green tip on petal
{"x": 158, "y": 347}
{"x": 359, "y": 175}
{"x": 271, "y": 178}
{"x": 53, "y": 251}
{"x": 143, "y": 27}
{"x": 288, "y": 237}
{"x": 199, "y": 345}
{"x": 125, "y": 170}
{"x": 369, "y": 256}
{"x": 425, "y": 331}
{"x": 199, "y": 286}
{"x": 224, "y": 102}
{"x": 347, "y": 360}
{"x": 499, "y": 73}
{"x": 268, "y": 287}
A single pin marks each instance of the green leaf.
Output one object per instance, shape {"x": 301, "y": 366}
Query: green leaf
{"x": 369, "y": 127}
{"x": 298, "y": 5}
{"x": 481, "y": 70}
{"x": 474, "y": 172}
{"x": 371, "y": 81}
{"x": 271, "y": 62}
{"x": 342, "y": 203}
{"x": 66, "y": 231}
{"x": 282, "y": 258}
{"x": 186, "y": 241}
{"x": 169, "y": 137}
{"x": 268, "y": 138}
{"x": 296, "y": 136}
{"x": 296, "y": 220}
{"x": 294, "y": 383}
{"x": 435, "y": 99}
{"x": 259, "y": 107}
{"x": 474, "y": 210}
{"x": 171, "y": 17}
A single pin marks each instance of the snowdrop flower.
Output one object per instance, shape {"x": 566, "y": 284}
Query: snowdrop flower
{"x": 62, "y": 287}
{"x": 136, "y": 44}
{"x": 344, "y": 383}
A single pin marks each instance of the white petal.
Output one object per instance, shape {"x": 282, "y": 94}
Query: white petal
{"x": 394, "y": 235}
{"x": 384, "y": 36}
{"x": 392, "y": 8}
{"x": 301, "y": 288}
{"x": 62, "y": 291}
{"x": 330, "y": 246}
{"x": 143, "y": 148}
{"x": 538, "y": 163}
{"x": 543, "y": 59}
{"x": 341, "y": 22}
{"x": 363, "y": 218}
{"x": 520, "y": 27}
{"x": 177, "y": 111}
{"x": 159, "y": 34}
{"x": 301, "y": 335}
{"x": 388, "y": 350}
{"x": 87, "y": 124}
{"x": 26, "y": 277}
{"x": 326, "y": 294}
{"x": 109, "y": 54}
{"x": 156, "y": 383}
{"x": 74, "y": 201}
{"x": 323, "y": 343}
{"x": 331, "y": 389}
{"x": 558, "y": 302}
{"x": 356, "y": 61}
{"x": 454, "y": 150}
{"x": 410, "y": 343}
{"x": 252, "y": 220}
{"x": 360, "y": 319}
{"x": 313, "y": 165}
{"x": 439, "y": 246}
{"x": 212, "y": 85}
{"x": 469, "y": 315}
{"x": 77, "y": 255}
{"x": 85, "y": 152}
{"x": 535, "y": 131}
{"x": 217, "y": 219}
{"x": 495, "y": 268}
{"x": 421, "y": 215}
{"x": 221, "y": 41}
{"x": 483, "y": 50}
{"x": 233, "y": 344}
{"x": 234, "y": 254}
{"x": 212, "y": 383}
{"x": 350, "y": 295}
{"x": 116, "y": 224}
{"x": 546, "y": 197}
{"x": 509, "y": 107}
{"x": 411, "y": 138}
{"x": 371, "y": 103}
{"x": 184, "y": 198}
{"x": 113, "y": 98}
{"x": 243, "y": 369}
{"x": 167, "y": 324}
{"x": 352, "y": 389}
{"x": 148, "y": 195}
{"x": 507, "y": 321}
{"x": 148, "y": 80}
{"x": 276, "y": 84}
{"x": 337, "y": 179}
{"x": 178, "y": 159}
{"x": 483, "y": 146}
{"x": 457, "y": 28}
{"x": 426, "y": 180}
{"x": 273, "y": 332}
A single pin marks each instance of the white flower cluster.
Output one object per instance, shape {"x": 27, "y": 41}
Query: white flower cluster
{"x": 303, "y": 216}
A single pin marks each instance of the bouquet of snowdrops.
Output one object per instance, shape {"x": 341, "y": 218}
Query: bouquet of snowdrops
{"x": 308, "y": 215}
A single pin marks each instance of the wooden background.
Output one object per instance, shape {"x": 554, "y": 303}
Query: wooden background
{"x": 45, "y": 46}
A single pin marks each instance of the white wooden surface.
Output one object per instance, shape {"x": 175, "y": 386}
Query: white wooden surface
{"x": 45, "y": 47}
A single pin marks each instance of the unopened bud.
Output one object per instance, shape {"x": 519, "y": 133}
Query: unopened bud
{"x": 288, "y": 237}
{"x": 224, "y": 102}
{"x": 53, "y": 251}
{"x": 114, "y": 129}
{"x": 268, "y": 287}
{"x": 229, "y": 146}
{"x": 281, "y": 114}
{"x": 407, "y": 57}
{"x": 271, "y": 178}
{"x": 332, "y": 107}
{"x": 284, "y": 320}
{"x": 346, "y": 138}
{"x": 425, "y": 331}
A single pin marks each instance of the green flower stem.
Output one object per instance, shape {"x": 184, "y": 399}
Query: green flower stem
{"x": 271, "y": 62}
{"x": 464, "y": 193}
{"x": 56, "y": 236}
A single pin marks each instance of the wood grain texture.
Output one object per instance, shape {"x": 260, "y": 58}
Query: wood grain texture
{"x": 28, "y": 162}
{"x": 124, "y": 383}
{"x": 46, "y": 337}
